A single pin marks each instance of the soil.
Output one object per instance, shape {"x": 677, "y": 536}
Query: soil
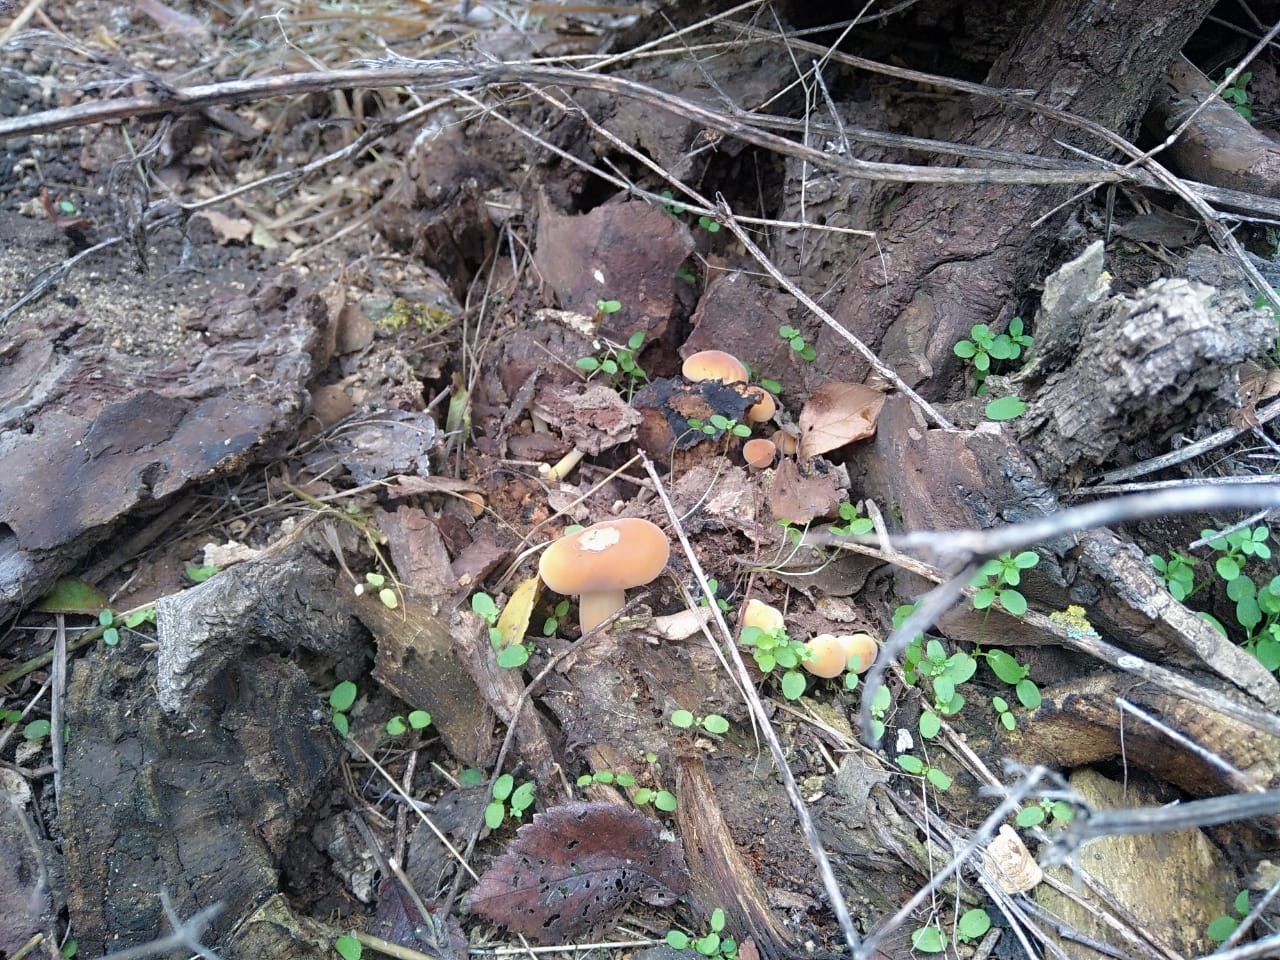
{"x": 280, "y": 440}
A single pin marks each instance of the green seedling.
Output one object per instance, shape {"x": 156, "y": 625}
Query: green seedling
{"x": 471, "y": 777}
{"x": 348, "y": 947}
{"x": 715, "y": 590}
{"x": 880, "y": 704}
{"x": 608, "y": 778}
{"x": 917, "y": 767}
{"x": 1005, "y": 408}
{"x": 712, "y": 722}
{"x": 672, "y": 206}
{"x": 772, "y": 649}
{"x": 110, "y": 632}
{"x": 1224, "y": 926}
{"x": 709, "y": 225}
{"x": 945, "y": 672}
{"x": 36, "y": 730}
{"x": 418, "y": 720}
{"x": 855, "y": 524}
{"x": 510, "y": 656}
{"x": 386, "y": 595}
{"x": 199, "y": 574}
{"x": 797, "y": 343}
{"x": 1236, "y": 94}
{"x": 1007, "y": 668}
{"x": 341, "y": 699}
{"x": 617, "y": 361}
{"x": 997, "y": 578}
{"x": 552, "y": 623}
{"x": 663, "y": 800}
{"x": 607, "y": 307}
{"x": 986, "y": 346}
{"x": 972, "y": 925}
{"x": 1054, "y": 811}
{"x": 710, "y": 944}
{"x": 1177, "y": 572}
{"x": 687, "y": 275}
{"x": 509, "y": 800}
{"x": 69, "y": 949}
{"x": 719, "y": 425}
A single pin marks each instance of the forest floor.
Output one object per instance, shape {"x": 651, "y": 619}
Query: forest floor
{"x": 280, "y": 451}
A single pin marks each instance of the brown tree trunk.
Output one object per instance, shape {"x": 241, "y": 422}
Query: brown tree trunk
{"x": 949, "y": 256}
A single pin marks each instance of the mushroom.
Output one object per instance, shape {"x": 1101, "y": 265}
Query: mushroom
{"x": 861, "y": 646}
{"x": 759, "y": 453}
{"x": 827, "y": 657}
{"x": 764, "y": 407}
{"x": 759, "y": 614}
{"x": 830, "y": 656}
{"x": 601, "y": 562}
{"x": 714, "y": 365}
{"x": 787, "y": 442}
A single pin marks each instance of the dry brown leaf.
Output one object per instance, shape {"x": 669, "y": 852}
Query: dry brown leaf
{"x": 836, "y": 414}
{"x": 228, "y": 229}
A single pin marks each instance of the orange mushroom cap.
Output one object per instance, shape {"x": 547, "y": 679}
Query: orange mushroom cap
{"x": 612, "y": 555}
{"x": 764, "y": 406}
{"x": 759, "y": 614}
{"x": 714, "y": 365}
{"x": 861, "y": 646}
{"x": 786, "y": 442}
{"x": 759, "y": 453}
{"x": 827, "y": 657}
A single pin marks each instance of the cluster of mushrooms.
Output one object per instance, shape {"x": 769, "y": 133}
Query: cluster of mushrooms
{"x": 601, "y": 562}
{"x": 725, "y": 367}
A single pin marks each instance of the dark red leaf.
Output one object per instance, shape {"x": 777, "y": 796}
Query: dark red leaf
{"x": 577, "y": 867}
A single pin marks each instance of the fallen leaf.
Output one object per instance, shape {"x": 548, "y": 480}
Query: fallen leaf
{"x": 590, "y": 415}
{"x": 577, "y": 867}
{"x": 802, "y": 496}
{"x": 514, "y": 621}
{"x": 228, "y": 229}
{"x": 71, "y": 595}
{"x": 836, "y": 414}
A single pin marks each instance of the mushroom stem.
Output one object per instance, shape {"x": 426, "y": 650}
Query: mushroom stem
{"x": 595, "y": 608}
{"x": 561, "y": 469}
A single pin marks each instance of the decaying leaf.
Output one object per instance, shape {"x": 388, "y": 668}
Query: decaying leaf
{"x": 836, "y": 414}
{"x": 590, "y": 415}
{"x": 228, "y": 229}
{"x": 576, "y": 867}
{"x": 1256, "y": 384}
{"x": 514, "y": 621}
{"x": 399, "y": 921}
{"x": 803, "y": 496}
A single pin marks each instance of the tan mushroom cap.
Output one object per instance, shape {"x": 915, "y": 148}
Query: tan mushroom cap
{"x": 714, "y": 365}
{"x": 763, "y": 408}
{"x": 759, "y": 614}
{"x": 607, "y": 556}
{"x": 759, "y": 453}
{"x": 827, "y": 656}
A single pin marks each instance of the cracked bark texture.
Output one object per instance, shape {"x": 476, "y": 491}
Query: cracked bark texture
{"x": 949, "y": 256}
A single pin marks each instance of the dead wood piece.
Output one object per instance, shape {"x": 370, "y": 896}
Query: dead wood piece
{"x": 203, "y": 811}
{"x": 418, "y": 662}
{"x": 501, "y": 690}
{"x": 952, "y": 480}
{"x": 947, "y": 258}
{"x": 1143, "y": 365}
{"x": 276, "y": 930}
{"x": 590, "y": 415}
{"x": 283, "y": 602}
{"x": 441, "y": 216}
{"x": 36, "y": 890}
{"x": 1220, "y": 146}
{"x": 1079, "y": 724}
{"x": 637, "y": 249}
{"x": 97, "y": 435}
{"x": 1171, "y": 904}
{"x": 418, "y": 552}
{"x": 667, "y": 405}
{"x": 721, "y": 878}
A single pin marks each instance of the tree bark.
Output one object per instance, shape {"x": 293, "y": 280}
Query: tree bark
{"x": 949, "y": 256}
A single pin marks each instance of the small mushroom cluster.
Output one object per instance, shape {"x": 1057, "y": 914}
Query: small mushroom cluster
{"x": 726, "y": 368}
{"x": 829, "y": 655}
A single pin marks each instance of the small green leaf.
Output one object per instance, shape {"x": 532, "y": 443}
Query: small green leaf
{"x": 514, "y": 656}
{"x": 665, "y": 801}
{"x": 714, "y": 723}
{"x": 677, "y": 939}
{"x": 930, "y": 724}
{"x": 1227, "y": 568}
{"x": 1028, "y": 694}
{"x": 1004, "y": 666}
{"x": 682, "y": 719}
{"x": 972, "y": 924}
{"x": 1222, "y": 928}
{"x": 1030, "y": 817}
{"x": 419, "y": 719}
{"x": 1008, "y": 721}
{"x": 111, "y": 636}
{"x": 1014, "y": 602}
{"x": 69, "y": 949}
{"x": 341, "y": 723}
{"x": 938, "y": 778}
{"x": 36, "y": 730}
{"x": 965, "y": 349}
{"x": 201, "y": 573}
{"x": 71, "y": 595}
{"x": 717, "y": 920}
{"x": 1241, "y": 903}
{"x": 793, "y": 684}
{"x": 483, "y": 604}
{"x": 928, "y": 939}
{"x": 471, "y": 777}
{"x": 625, "y": 780}
{"x": 494, "y": 814}
{"x": 397, "y": 727}
{"x": 503, "y": 786}
{"x": 343, "y": 696}
{"x": 589, "y": 364}
{"x": 1005, "y": 408}
{"x": 388, "y": 598}
{"x": 911, "y": 763}
{"x": 348, "y": 947}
